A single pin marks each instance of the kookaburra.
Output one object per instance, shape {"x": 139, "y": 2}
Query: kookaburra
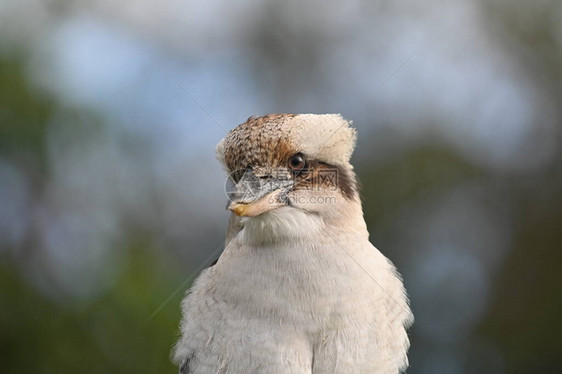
{"x": 299, "y": 289}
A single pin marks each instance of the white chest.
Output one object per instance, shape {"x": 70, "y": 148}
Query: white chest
{"x": 317, "y": 304}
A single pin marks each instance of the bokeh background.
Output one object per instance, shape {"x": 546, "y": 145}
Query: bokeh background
{"x": 111, "y": 196}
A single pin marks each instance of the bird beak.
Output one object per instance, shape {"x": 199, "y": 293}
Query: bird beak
{"x": 255, "y": 195}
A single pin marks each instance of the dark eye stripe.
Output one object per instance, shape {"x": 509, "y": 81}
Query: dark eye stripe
{"x": 320, "y": 173}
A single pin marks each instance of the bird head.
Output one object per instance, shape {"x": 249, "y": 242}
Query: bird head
{"x": 288, "y": 162}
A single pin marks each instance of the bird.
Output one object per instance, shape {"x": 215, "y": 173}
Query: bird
{"x": 299, "y": 288}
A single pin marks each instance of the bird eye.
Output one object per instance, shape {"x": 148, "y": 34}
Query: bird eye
{"x": 297, "y": 162}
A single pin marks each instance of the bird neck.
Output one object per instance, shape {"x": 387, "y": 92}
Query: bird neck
{"x": 289, "y": 226}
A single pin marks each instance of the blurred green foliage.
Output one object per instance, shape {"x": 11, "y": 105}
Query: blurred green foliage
{"x": 24, "y": 114}
{"x": 111, "y": 335}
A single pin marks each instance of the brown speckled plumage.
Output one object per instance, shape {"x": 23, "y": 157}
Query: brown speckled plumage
{"x": 260, "y": 141}
{"x": 268, "y": 142}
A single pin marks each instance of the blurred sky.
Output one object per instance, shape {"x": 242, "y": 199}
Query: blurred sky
{"x": 144, "y": 90}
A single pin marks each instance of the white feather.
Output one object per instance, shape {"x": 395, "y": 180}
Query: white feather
{"x": 300, "y": 289}
{"x": 290, "y": 295}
